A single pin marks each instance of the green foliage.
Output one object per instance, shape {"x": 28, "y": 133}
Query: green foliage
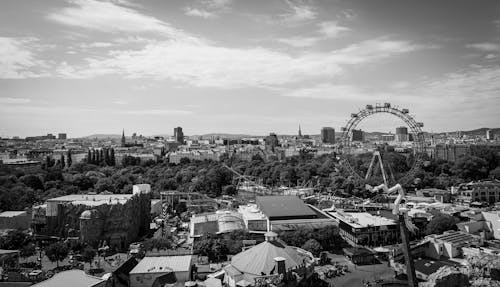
{"x": 470, "y": 167}
{"x": 130, "y": 161}
{"x": 328, "y": 237}
{"x": 32, "y": 181}
{"x": 28, "y": 250}
{"x": 56, "y": 252}
{"x": 157, "y": 243}
{"x": 69, "y": 161}
{"x": 88, "y": 254}
{"x": 14, "y": 240}
{"x": 215, "y": 249}
{"x": 313, "y": 246}
{"x": 441, "y": 223}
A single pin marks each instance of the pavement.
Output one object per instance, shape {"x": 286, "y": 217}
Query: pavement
{"x": 358, "y": 273}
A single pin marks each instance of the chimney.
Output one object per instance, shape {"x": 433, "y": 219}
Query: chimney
{"x": 270, "y": 236}
{"x": 280, "y": 263}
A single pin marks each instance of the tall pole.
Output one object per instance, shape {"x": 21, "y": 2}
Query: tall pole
{"x": 410, "y": 266}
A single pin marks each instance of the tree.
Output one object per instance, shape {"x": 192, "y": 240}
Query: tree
{"x": 28, "y": 250}
{"x": 63, "y": 162}
{"x": 106, "y": 157}
{"x": 229, "y": 190}
{"x": 313, "y": 246}
{"x": 441, "y": 223}
{"x": 89, "y": 157}
{"x": 112, "y": 157}
{"x": 56, "y": 252}
{"x": 470, "y": 167}
{"x": 32, "y": 181}
{"x": 101, "y": 156}
{"x": 88, "y": 254}
{"x": 69, "y": 161}
{"x": 14, "y": 240}
{"x": 495, "y": 173}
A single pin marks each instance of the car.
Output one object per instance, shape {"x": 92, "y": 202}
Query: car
{"x": 35, "y": 273}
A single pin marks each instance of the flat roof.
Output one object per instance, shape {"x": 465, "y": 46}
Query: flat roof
{"x": 162, "y": 264}
{"x": 93, "y": 199}
{"x": 12, "y": 213}
{"x": 74, "y": 278}
{"x": 456, "y": 237}
{"x": 251, "y": 212}
{"x": 428, "y": 267}
{"x": 362, "y": 219}
{"x": 283, "y": 206}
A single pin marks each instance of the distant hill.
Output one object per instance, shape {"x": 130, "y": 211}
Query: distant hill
{"x": 233, "y": 136}
{"x": 103, "y": 136}
{"x": 476, "y": 132}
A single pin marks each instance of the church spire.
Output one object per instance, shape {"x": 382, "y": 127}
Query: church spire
{"x": 123, "y": 138}
{"x": 300, "y": 132}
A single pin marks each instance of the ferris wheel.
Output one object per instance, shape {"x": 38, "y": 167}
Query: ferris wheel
{"x": 348, "y": 147}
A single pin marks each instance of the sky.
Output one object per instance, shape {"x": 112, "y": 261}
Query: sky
{"x": 250, "y": 67}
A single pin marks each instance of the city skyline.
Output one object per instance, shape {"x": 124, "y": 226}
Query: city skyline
{"x": 230, "y": 66}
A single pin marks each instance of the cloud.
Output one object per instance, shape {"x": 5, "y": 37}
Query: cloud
{"x": 112, "y": 17}
{"x": 7, "y": 101}
{"x": 190, "y": 11}
{"x": 475, "y": 86}
{"x": 298, "y": 13}
{"x": 154, "y": 112}
{"x": 119, "y": 102}
{"x": 208, "y": 8}
{"x": 96, "y": 45}
{"x": 331, "y": 29}
{"x": 17, "y": 58}
{"x": 326, "y": 30}
{"x": 485, "y": 47}
{"x": 299, "y": 42}
{"x": 208, "y": 65}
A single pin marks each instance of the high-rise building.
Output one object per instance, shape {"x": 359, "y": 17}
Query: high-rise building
{"x": 489, "y": 135}
{"x": 179, "y": 135}
{"x": 402, "y": 134}
{"x": 62, "y": 136}
{"x": 328, "y": 135}
{"x": 271, "y": 141}
{"x": 358, "y": 135}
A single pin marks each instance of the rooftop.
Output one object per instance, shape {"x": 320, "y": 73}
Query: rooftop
{"x": 284, "y": 206}
{"x": 73, "y": 278}
{"x": 12, "y": 213}
{"x": 93, "y": 199}
{"x": 362, "y": 219}
{"x": 456, "y": 237}
{"x": 429, "y": 267}
{"x": 161, "y": 264}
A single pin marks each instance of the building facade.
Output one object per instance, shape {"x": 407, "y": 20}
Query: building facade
{"x": 363, "y": 228}
{"x": 328, "y": 135}
{"x": 179, "y": 135}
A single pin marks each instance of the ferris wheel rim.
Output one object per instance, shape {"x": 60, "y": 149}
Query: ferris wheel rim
{"x": 403, "y": 114}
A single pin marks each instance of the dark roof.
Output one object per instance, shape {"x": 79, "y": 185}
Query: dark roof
{"x": 429, "y": 267}
{"x": 455, "y": 237}
{"x": 168, "y": 278}
{"x": 357, "y": 251}
{"x": 209, "y": 227}
{"x": 284, "y": 206}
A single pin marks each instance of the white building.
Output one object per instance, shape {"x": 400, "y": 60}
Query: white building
{"x": 149, "y": 269}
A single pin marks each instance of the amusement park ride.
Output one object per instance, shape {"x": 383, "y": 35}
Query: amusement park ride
{"x": 399, "y": 209}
